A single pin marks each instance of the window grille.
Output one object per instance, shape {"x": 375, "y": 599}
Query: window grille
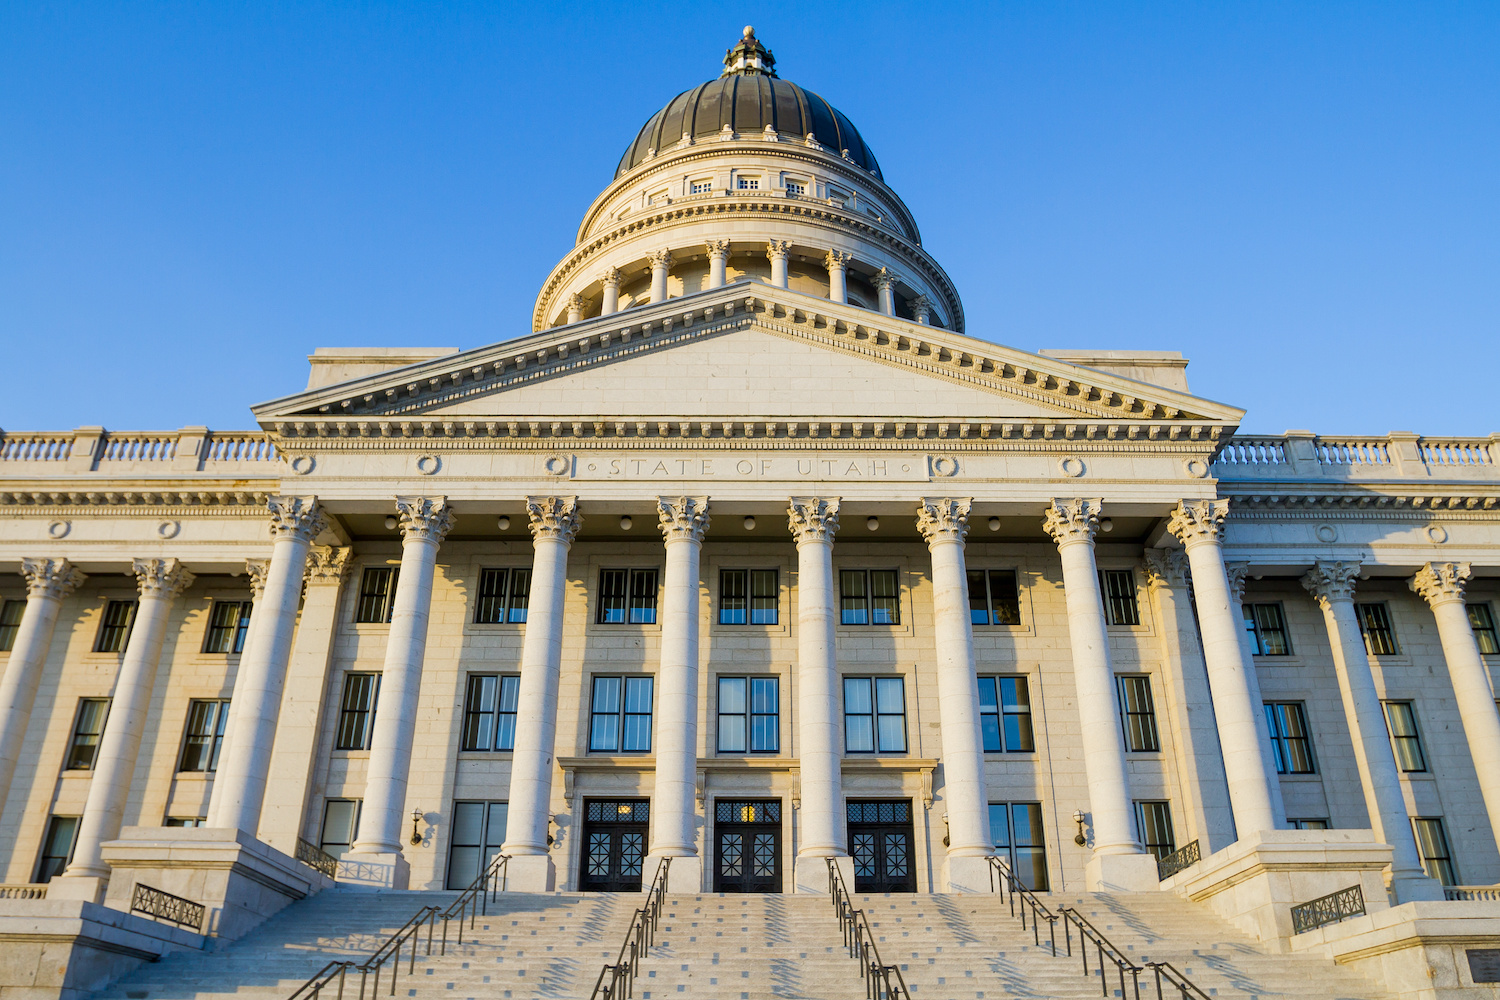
{"x": 357, "y": 711}
{"x": 700, "y": 187}
{"x": 1432, "y": 843}
{"x": 795, "y": 188}
{"x": 503, "y": 596}
{"x": 1401, "y": 723}
{"x": 377, "y": 592}
{"x": 1005, "y": 715}
{"x": 1481, "y": 620}
{"x": 747, "y": 183}
{"x": 1016, "y": 829}
{"x": 1153, "y": 823}
{"x": 228, "y": 625}
{"x": 749, "y": 596}
{"x": 1118, "y": 588}
{"x": 627, "y": 596}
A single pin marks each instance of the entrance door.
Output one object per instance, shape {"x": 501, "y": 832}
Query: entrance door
{"x": 614, "y": 844}
{"x": 880, "y": 839}
{"x": 748, "y": 855}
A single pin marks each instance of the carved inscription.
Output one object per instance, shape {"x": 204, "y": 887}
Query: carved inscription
{"x": 778, "y": 467}
{"x": 1484, "y": 964}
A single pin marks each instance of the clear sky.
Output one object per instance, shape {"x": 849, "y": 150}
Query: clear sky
{"x": 1302, "y": 197}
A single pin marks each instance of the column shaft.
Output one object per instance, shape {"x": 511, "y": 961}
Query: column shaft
{"x": 838, "y": 262}
{"x": 1236, "y": 576}
{"x": 776, "y": 250}
{"x": 885, "y": 288}
{"x": 611, "y": 292}
{"x": 718, "y": 258}
{"x": 820, "y": 751}
{"x": 661, "y": 263}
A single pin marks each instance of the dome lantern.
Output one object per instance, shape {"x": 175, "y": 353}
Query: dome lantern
{"x": 749, "y": 57}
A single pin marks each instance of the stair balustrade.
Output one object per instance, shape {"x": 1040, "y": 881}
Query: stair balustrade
{"x": 617, "y": 981}
{"x": 476, "y": 898}
{"x": 388, "y": 953}
{"x": 314, "y": 987}
{"x": 317, "y": 859}
{"x": 882, "y": 982}
{"x": 1010, "y": 888}
{"x": 1329, "y": 909}
{"x": 1105, "y": 951}
{"x": 1176, "y": 980}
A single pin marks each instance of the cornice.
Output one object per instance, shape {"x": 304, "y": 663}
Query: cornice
{"x": 137, "y": 501}
{"x": 1260, "y": 506}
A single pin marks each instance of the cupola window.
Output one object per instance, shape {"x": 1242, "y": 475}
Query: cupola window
{"x": 747, "y": 183}
{"x": 700, "y": 187}
{"x": 795, "y": 189}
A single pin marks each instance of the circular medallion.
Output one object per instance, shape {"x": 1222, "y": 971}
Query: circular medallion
{"x": 303, "y": 464}
{"x": 557, "y": 465}
{"x": 1437, "y": 534}
{"x": 1327, "y": 533}
{"x": 168, "y": 529}
{"x": 1072, "y": 467}
{"x": 428, "y": 465}
{"x": 944, "y": 466}
{"x": 59, "y": 529}
{"x": 1195, "y": 467}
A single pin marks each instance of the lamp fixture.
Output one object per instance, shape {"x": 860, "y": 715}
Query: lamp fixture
{"x": 625, "y": 523}
{"x": 947, "y": 833}
{"x": 1106, "y": 525}
{"x": 416, "y": 836}
{"x": 390, "y": 522}
{"x": 1080, "y": 840}
{"x": 503, "y": 523}
{"x": 872, "y": 522}
{"x": 994, "y": 524}
{"x": 749, "y": 523}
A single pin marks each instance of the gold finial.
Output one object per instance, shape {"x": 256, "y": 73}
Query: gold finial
{"x": 749, "y": 31}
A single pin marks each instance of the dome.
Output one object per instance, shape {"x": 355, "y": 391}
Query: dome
{"x": 748, "y": 98}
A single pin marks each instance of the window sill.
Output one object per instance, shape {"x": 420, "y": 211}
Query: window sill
{"x": 485, "y": 754}
{"x": 1310, "y": 778}
{"x": 201, "y": 775}
{"x": 1006, "y": 756}
{"x": 351, "y": 754}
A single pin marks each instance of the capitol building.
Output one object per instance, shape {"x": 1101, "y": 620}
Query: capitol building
{"x": 749, "y": 554}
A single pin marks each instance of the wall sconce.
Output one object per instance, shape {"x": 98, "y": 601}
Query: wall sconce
{"x": 416, "y": 836}
{"x": 551, "y": 824}
{"x": 1080, "y": 840}
{"x": 947, "y": 834}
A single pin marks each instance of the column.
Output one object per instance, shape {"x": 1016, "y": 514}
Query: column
{"x": 1197, "y": 524}
{"x": 48, "y": 581}
{"x": 1117, "y": 862}
{"x": 424, "y": 523}
{"x": 776, "y": 252}
{"x": 1442, "y": 586}
{"x": 611, "y": 280}
{"x": 1332, "y": 586}
{"x": 576, "y": 304}
{"x": 244, "y": 765}
{"x": 1236, "y": 573}
{"x": 718, "y": 260}
{"x": 921, "y": 309}
{"x": 158, "y": 581}
{"x": 838, "y": 263}
{"x": 554, "y": 524}
{"x": 824, "y": 832}
{"x": 944, "y": 522}
{"x": 661, "y": 263}
{"x": 683, "y": 522}
{"x": 885, "y": 285}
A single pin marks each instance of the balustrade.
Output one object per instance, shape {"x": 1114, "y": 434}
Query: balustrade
{"x": 45, "y": 447}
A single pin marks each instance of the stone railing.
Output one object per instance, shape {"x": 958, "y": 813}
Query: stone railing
{"x": 25, "y": 890}
{"x": 1472, "y": 892}
{"x": 94, "y": 449}
{"x": 1300, "y": 455}
{"x": 47, "y": 446}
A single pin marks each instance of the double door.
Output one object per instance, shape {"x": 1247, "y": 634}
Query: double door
{"x": 880, "y": 841}
{"x": 747, "y": 854}
{"x": 614, "y": 844}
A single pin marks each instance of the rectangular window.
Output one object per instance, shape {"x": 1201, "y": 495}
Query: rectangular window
{"x": 88, "y": 727}
{"x": 749, "y": 715}
{"x": 490, "y": 712}
{"x": 1005, "y": 715}
{"x": 114, "y": 628}
{"x": 1290, "y": 741}
{"x": 747, "y": 183}
{"x": 795, "y": 188}
{"x": 1137, "y": 713}
{"x": 357, "y": 711}
{"x": 1153, "y": 824}
{"x": 57, "y": 847}
{"x": 478, "y": 832}
{"x": 340, "y": 821}
{"x": 185, "y": 821}
{"x": 1016, "y": 828}
{"x": 749, "y": 596}
{"x": 1118, "y": 588}
{"x": 1401, "y": 723}
{"x": 700, "y": 187}
{"x": 627, "y": 596}
{"x": 377, "y": 593}
{"x": 503, "y": 596}
{"x": 869, "y": 597}
{"x": 994, "y": 598}
{"x": 620, "y": 721}
{"x": 1309, "y": 824}
{"x": 1267, "y": 630}
{"x": 1432, "y": 842}
{"x": 874, "y": 715}
{"x": 204, "y": 736}
{"x": 10, "y": 623}
{"x": 1481, "y": 620}
{"x": 1375, "y": 626}
{"x": 228, "y": 624}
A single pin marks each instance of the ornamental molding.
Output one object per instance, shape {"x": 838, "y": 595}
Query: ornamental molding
{"x": 717, "y": 248}
{"x": 659, "y": 258}
{"x": 1247, "y": 505}
{"x": 1236, "y": 573}
{"x": 554, "y": 517}
{"x": 163, "y": 578}
{"x": 1198, "y": 521}
{"x": 51, "y": 578}
{"x": 837, "y": 259}
{"x": 328, "y": 563}
{"x": 258, "y": 570}
{"x": 297, "y": 518}
{"x": 1441, "y": 582}
{"x": 1166, "y": 569}
{"x": 682, "y": 518}
{"x": 425, "y": 518}
{"x": 136, "y": 501}
{"x": 1331, "y": 582}
{"x": 942, "y": 519}
{"x": 1073, "y": 520}
{"x": 813, "y": 519}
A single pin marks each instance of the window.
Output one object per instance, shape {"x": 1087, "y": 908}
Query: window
{"x": 1309, "y": 824}
{"x": 490, "y": 713}
{"x": 1016, "y": 829}
{"x": 874, "y": 715}
{"x": 621, "y": 718}
{"x": 503, "y": 596}
{"x": 10, "y": 623}
{"x": 1137, "y": 713}
{"x": 57, "y": 847}
{"x": 478, "y": 832}
{"x": 377, "y": 592}
{"x": 204, "y": 736}
{"x": 747, "y": 183}
{"x": 795, "y": 188}
{"x": 357, "y": 711}
{"x": 1401, "y": 723}
{"x": 1153, "y": 824}
{"x": 993, "y": 597}
{"x": 1375, "y": 626}
{"x": 1267, "y": 629}
{"x": 186, "y": 821}
{"x": 228, "y": 624}
{"x": 340, "y": 821}
{"x": 627, "y": 596}
{"x": 700, "y": 187}
{"x": 869, "y": 597}
{"x": 1290, "y": 741}
{"x": 114, "y": 629}
{"x": 1481, "y": 620}
{"x": 1118, "y": 589}
{"x": 1005, "y": 715}
{"x": 1432, "y": 843}
{"x": 748, "y": 596}
{"x": 749, "y": 715}
{"x": 88, "y": 727}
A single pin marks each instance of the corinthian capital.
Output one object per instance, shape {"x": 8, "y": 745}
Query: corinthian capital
{"x": 1072, "y": 520}
{"x": 611, "y": 276}
{"x": 554, "y": 517}
{"x": 1441, "y": 582}
{"x": 164, "y": 578}
{"x": 777, "y": 249}
{"x": 1236, "y": 572}
{"x": 1166, "y": 568}
{"x": 296, "y": 517}
{"x": 427, "y": 518}
{"x": 1196, "y": 521}
{"x": 54, "y": 578}
{"x": 942, "y": 519}
{"x": 837, "y": 260}
{"x": 682, "y": 518}
{"x": 327, "y": 563}
{"x": 257, "y": 570}
{"x": 1331, "y": 581}
{"x": 717, "y": 248}
{"x": 886, "y": 278}
{"x": 660, "y": 258}
{"x": 813, "y": 519}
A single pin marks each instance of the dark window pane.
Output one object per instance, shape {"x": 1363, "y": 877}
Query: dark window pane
{"x": 733, "y": 601}
{"x": 1005, "y": 598}
{"x": 114, "y": 629}
{"x": 765, "y": 597}
{"x": 10, "y": 623}
{"x": 1401, "y": 722}
{"x": 643, "y": 597}
{"x": 1481, "y": 620}
{"x": 1375, "y": 623}
{"x": 979, "y": 599}
{"x": 1119, "y": 592}
{"x": 377, "y": 587}
{"x": 854, "y": 608}
{"x": 489, "y": 606}
{"x": 224, "y": 625}
{"x": 357, "y": 711}
{"x": 1137, "y": 714}
{"x": 204, "y": 736}
{"x": 340, "y": 823}
{"x": 1291, "y": 745}
{"x": 1432, "y": 841}
{"x": 1154, "y": 824}
{"x": 479, "y": 712}
{"x": 87, "y": 730}
{"x": 885, "y": 600}
{"x": 612, "y": 596}
{"x": 57, "y": 847}
{"x": 520, "y": 595}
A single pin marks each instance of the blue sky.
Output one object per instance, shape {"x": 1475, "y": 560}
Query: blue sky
{"x": 1300, "y": 197}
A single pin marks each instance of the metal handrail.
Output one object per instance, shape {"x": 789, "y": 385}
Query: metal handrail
{"x": 1329, "y": 909}
{"x": 388, "y": 950}
{"x": 476, "y": 898}
{"x": 1175, "y": 979}
{"x": 1105, "y": 948}
{"x": 882, "y": 982}
{"x": 316, "y": 858}
{"x": 314, "y": 986}
{"x": 1181, "y": 859}
{"x": 638, "y": 940}
{"x": 1010, "y": 887}
{"x": 173, "y": 909}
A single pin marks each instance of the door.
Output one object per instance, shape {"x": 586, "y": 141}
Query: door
{"x": 747, "y": 857}
{"x": 880, "y": 839}
{"x": 614, "y": 844}
{"x": 478, "y": 832}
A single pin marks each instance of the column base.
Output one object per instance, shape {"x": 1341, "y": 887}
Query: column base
{"x": 530, "y": 873}
{"x": 374, "y": 871}
{"x": 967, "y": 874}
{"x": 810, "y": 874}
{"x": 684, "y": 877}
{"x": 1121, "y": 873}
{"x": 89, "y": 888}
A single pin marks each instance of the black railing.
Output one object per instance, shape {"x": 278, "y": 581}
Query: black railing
{"x": 476, "y": 898}
{"x": 882, "y": 982}
{"x": 617, "y": 981}
{"x": 315, "y": 986}
{"x": 1104, "y": 952}
{"x": 1185, "y": 856}
{"x": 1329, "y": 909}
{"x": 316, "y": 858}
{"x": 1003, "y": 879}
{"x": 409, "y": 938}
{"x": 164, "y": 905}
{"x": 1176, "y": 981}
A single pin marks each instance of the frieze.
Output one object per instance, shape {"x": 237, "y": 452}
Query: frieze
{"x": 751, "y": 467}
